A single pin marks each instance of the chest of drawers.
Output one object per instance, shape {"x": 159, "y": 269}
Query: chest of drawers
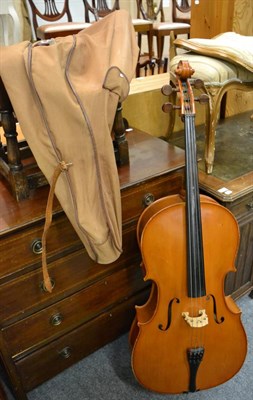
{"x": 44, "y": 333}
{"x": 237, "y": 196}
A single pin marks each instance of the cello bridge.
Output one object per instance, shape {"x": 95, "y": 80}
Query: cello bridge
{"x": 196, "y": 322}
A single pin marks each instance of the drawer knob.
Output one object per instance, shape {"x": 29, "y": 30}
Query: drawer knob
{"x": 148, "y": 199}
{"x": 56, "y": 319}
{"x": 43, "y": 287}
{"x": 66, "y": 352}
{"x": 36, "y": 246}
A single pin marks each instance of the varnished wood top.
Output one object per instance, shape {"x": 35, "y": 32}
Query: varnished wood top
{"x": 149, "y": 157}
{"x": 226, "y": 191}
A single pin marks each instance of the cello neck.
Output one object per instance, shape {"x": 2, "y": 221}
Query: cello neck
{"x": 195, "y": 256}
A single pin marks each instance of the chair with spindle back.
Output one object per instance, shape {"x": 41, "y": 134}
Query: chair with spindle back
{"x": 99, "y": 8}
{"x": 181, "y": 11}
{"x": 54, "y": 26}
{"x": 160, "y": 29}
{"x": 50, "y": 13}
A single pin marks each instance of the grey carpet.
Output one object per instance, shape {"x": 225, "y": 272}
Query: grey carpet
{"x": 107, "y": 375}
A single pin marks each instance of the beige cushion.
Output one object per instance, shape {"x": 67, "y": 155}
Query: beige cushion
{"x": 229, "y": 46}
{"x": 66, "y": 26}
{"x": 212, "y": 70}
{"x": 170, "y": 25}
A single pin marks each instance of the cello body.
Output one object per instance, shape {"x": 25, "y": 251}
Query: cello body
{"x": 189, "y": 335}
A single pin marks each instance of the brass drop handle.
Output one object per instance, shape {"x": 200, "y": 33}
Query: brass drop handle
{"x": 43, "y": 287}
{"x": 65, "y": 352}
{"x": 148, "y": 199}
{"x": 36, "y": 246}
{"x": 56, "y": 319}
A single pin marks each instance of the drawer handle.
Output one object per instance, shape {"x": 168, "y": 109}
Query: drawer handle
{"x": 36, "y": 246}
{"x": 43, "y": 287}
{"x": 250, "y": 205}
{"x": 148, "y": 199}
{"x": 56, "y": 319}
{"x": 66, "y": 352}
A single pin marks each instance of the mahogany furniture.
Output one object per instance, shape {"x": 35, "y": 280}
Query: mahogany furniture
{"x": 99, "y": 8}
{"x": 181, "y": 11}
{"x": 237, "y": 196}
{"x": 42, "y": 333}
{"x": 50, "y": 14}
{"x": 160, "y": 29}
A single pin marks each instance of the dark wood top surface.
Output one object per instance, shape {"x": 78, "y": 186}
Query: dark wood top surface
{"x": 149, "y": 157}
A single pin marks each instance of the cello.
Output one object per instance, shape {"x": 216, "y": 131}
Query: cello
{"x": 188, "y": 336}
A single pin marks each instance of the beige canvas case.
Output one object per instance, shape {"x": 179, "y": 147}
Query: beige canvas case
{"x": 65, "y": 93}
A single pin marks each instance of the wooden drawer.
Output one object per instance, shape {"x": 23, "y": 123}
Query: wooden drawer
{"x": 65, "y": 351}
{"x": 67, "y": 314}
{"x": 135, "y": 200}
{"x": 70, "y": 273}
{"x": 61, "y": 240}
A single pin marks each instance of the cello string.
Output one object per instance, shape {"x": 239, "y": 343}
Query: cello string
{"x": 190, "y": 230}
{"x": 198, "y": 224}
{"x": 195, "y": 209}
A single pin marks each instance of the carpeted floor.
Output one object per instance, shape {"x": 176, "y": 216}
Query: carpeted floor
{"x": 107, "y": 375}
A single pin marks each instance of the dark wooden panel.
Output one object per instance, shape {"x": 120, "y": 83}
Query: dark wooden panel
{"x": 61, "y": 240}
{"x": 48, "y": 361}
{"x": 70, "y": 273}
{"x": 84, "y": 305}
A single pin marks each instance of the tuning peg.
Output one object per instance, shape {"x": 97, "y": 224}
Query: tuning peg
{"x": 168, "y": 107}
{"x": 198, "y": 83}
{"x": 167, "y": 90}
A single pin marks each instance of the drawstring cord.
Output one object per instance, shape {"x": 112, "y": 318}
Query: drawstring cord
{"x": 61, "y": 167}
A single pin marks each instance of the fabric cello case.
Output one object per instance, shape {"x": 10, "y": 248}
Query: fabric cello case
{"x": 65, "y": 93}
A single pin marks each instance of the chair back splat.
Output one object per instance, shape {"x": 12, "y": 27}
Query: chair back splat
{"x": 50, "y": 14}
{"x": 99, "y": 8}
{"x": 181, "y": 11}
{"x": 150, "y": 11}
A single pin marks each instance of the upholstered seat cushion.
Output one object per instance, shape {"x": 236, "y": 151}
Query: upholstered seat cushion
{"x": 230, "y": 46}
{"x": 212, "y": 70}
{"x": 64, "y": 26}
{"x": 139, "y": 21}
{"x": 174, "y": 26}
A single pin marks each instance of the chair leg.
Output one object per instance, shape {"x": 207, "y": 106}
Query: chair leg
{"x": 160, "y": 44}
{"x": 12, "y": 169}
{"x": 216, "y": 95}
{"x": 120, "y": 142}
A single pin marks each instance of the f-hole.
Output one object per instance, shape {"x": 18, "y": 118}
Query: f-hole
{"x": 160, "y": 326}
{"x": 217, "y": 320}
